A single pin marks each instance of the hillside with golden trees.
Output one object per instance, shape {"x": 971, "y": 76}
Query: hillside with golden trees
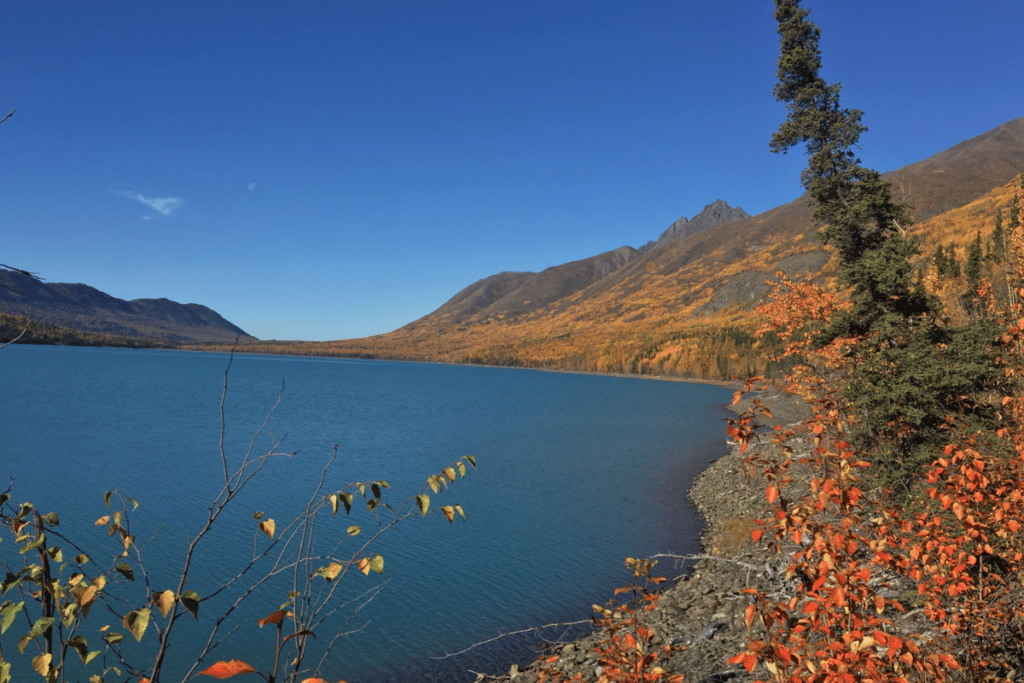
{"x": 685, "y": 307}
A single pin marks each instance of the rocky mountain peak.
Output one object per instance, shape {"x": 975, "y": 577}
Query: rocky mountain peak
{"x": 716, "y": 213}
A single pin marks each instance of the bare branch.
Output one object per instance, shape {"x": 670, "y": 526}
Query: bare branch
{"x": 514, "y": 633}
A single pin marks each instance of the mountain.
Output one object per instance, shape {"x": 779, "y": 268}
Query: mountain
{"x": 86, "y": 308}
{"x": 683, "y": 305}
{"x": 716, "y": 213}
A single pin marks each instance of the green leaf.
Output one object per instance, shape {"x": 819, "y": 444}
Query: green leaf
{"x": 346, "y": 499}
{"x": 377, "y": 564}
{"x": 383, "y": 484}
{"x": 190, "y": 601}
{"x": 449, "y": 473}
{"x": 375, "y": 489}
{"x": 113, "y": 638}
{"x": 136, "y": 622}
{"x": 39, "y": 540}
{"x": 11, "y": 581}
{"x": 81, "y": 559}
{"x": 8, "y": 611}
{"x": 334, "y": 503}
{"x": 458, "y": 508}
{"x": 423, "y": 502}
{"x": 354, "y": 530}
{"x": 471, "y": 460}
{"x": 80, "y": 646}
{"x": 432, "y": 482}
{"x": 55, "y": 554}
{"x": 462, "y": 468}
{"x": 38, "y": 629}
{"x": 5, "y": 671}
{"x": 125, "y": 570}
{"x": 51, "y": 519}
{"x": 106, "y": 497}
{"x": 25, "y": 509}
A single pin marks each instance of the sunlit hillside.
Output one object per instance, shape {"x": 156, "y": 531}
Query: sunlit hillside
{"x": 685, "y": 308}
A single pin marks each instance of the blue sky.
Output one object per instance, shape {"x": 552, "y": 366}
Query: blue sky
{"x": 326, "y": 170}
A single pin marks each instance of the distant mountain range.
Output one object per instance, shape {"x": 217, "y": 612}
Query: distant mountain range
{"x": 85, "y": 308}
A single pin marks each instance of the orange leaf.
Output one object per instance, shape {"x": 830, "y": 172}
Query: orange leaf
{"x": 276, "y": 618}
{"x": 772, "y": 493}
{"x": 228, "y": 669}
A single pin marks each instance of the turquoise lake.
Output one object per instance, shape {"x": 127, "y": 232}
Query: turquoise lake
{"x": 575, "y": 473}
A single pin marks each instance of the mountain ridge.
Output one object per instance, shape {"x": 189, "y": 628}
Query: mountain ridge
{"x": 83, "y": 307}
{"x": 683, "y": 306}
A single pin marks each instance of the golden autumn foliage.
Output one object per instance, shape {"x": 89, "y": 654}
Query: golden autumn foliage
{"x": 927, "y": 589}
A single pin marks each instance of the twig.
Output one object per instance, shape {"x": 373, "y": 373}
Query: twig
{"x": 513, "y": 633}
{"x": 717, "y": 558}
{"x": 16, "y": 338}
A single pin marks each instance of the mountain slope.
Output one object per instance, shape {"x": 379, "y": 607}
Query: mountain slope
{"x": 86, "y": 308}
{"x": 683, "y": 305}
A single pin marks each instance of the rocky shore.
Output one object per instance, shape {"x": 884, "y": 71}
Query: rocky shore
{"x": 704, "y": 609}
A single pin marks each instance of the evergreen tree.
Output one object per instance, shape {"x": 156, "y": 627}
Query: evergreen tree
{"x": 911, "y": 368}
{"x": 953, "y": 269}
{"x": 997, "y": 243}
{"x": 1015, "y": 209}
{"x": 940, "y": 261}
{"x": 974, "y": 261}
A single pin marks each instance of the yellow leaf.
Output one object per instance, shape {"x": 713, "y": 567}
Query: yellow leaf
{"x": 164, "y": 601}
{"x": 267, "y": 527}
{"x": 42, "y": 664}
{"x": 449, "y": 513}
{"x": 102, "y": 520}
{"x": 423, "y": 502}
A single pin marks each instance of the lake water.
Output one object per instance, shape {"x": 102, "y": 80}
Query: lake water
{"x": 576, "y": 472}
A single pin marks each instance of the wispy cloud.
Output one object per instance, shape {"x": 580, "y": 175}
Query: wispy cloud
{"x": 252, "y": 187}
{"x": 162, "y": 205}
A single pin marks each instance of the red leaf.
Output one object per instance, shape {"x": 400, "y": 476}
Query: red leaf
{"x": 228, "y": 669}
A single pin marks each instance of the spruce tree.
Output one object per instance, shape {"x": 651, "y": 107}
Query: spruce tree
{"x": 910, "y": 369}
{"x": 953, "y": 262}
{"x": 975, "y": 256}
{"x": 997, "y": 243}
{"x": 1015, "y": 210}
{"x": 940, "y": 261}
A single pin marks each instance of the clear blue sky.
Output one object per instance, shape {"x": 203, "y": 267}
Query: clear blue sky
{"x": 337, "y": 169}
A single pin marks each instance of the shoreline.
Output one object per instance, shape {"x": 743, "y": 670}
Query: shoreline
{"x": 703, "y": 609}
